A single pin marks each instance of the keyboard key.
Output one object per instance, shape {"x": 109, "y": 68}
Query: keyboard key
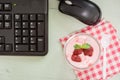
{"x": 25, "y": 24}
{"x": 1, "y": 25}
{"x": 7, "y": 7}
{"x": 17, "y": 24}
{"x": 1, "y": 7}
{"x": 20, "y": 47}
{"x": 40, "y": 44}
{"x": 25, "y": 33}
{"x": 40, "y": 17}
{"x": 32, "y": 32}
{"x": 8, "y": 47}
{"x": 32, "y": 17}
{"x": 8, "y": 25}
{"x": 17, "y": 17}
{"x": 1, "y": 17}
{"x": 2, "y": 47}
{"x": 18, "y": 40}
{"x": 33, "y": 40}
{"x": 2, "y": 39}
{"x": 32, "y": 25}
{"x": 32, "y": 47}
{"x": 17, "y": 32}
{"x": 7, "y": 17}
{"x": 24, "y": 17}
{"x": 25, "y": 40}
{"x": 41, "y": 28}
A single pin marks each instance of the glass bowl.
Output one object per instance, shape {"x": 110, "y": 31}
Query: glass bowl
{"x": 82, "y": 51}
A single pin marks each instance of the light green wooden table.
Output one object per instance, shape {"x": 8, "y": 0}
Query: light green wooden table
{"x": 53, "y": 65}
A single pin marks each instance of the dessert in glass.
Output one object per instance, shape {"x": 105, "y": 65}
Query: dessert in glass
{"x": 82, "y": 51}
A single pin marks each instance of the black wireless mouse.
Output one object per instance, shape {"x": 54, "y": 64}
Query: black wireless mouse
{"x": 84, "y": 10}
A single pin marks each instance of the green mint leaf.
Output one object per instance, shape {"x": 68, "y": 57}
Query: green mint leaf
{"x": 77, "y": 46}
{"x": 85, "y": 46}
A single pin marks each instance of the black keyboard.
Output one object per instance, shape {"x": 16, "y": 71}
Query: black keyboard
{"x": 24, "y": 27}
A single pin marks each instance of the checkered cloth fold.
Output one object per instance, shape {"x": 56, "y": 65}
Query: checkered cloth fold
{"x": 113, "y": 50}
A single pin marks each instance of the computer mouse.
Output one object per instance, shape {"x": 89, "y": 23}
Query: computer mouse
{"x": 84, "y": 10}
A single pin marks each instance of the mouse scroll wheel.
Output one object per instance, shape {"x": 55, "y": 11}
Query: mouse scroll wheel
{"x": 68, "y": 2}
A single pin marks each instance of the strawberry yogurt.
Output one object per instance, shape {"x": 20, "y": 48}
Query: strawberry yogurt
{"x": 85, "y": 60}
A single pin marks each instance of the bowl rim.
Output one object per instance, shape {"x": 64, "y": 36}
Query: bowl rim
{"x": 71, "y": 37}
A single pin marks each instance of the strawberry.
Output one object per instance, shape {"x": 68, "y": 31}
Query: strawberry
{"x": 88, "y": 51}
{"x": 76, "y": 58}
{"x": 77, "y": 51}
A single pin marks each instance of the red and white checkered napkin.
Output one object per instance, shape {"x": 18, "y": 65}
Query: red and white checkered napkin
{"x": 113, "y": 50}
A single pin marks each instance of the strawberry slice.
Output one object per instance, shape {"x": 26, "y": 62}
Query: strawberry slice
{"x": 77, "y": 51}
{"x": 76, "y": 58}
{"x": 88, "y": 51}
